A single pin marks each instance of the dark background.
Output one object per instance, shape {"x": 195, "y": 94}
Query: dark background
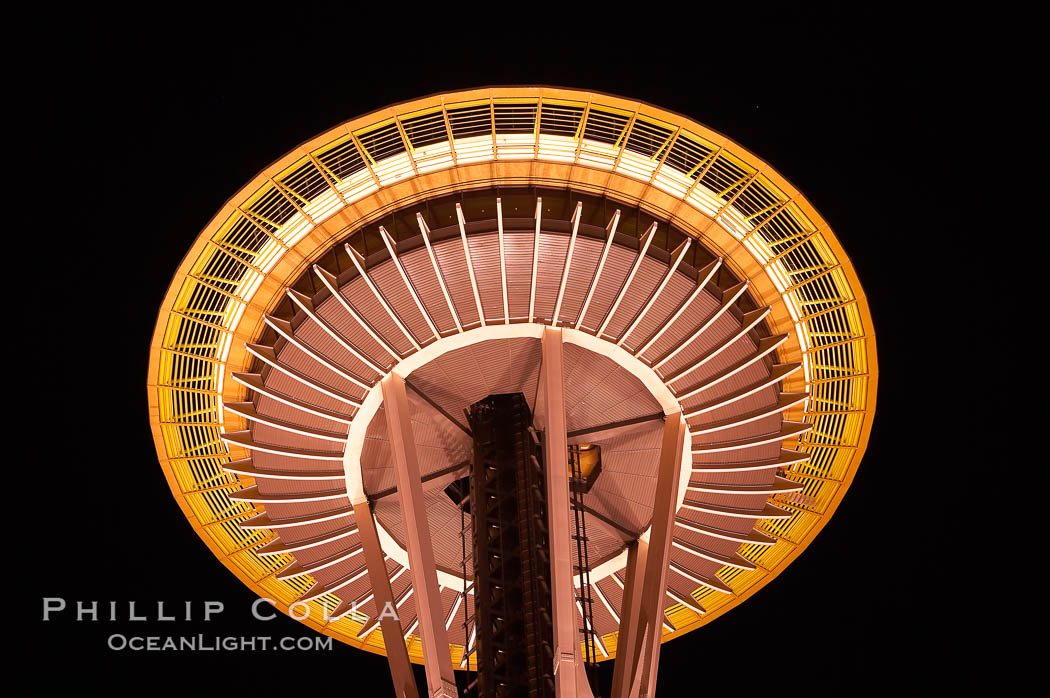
{"x": 150, "y": 132}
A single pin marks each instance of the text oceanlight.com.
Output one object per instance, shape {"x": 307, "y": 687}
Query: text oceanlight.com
{"x": 204, "y": 643}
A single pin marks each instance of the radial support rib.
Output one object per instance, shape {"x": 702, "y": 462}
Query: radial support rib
{"x": 647, "y": 238}
{"x": 766, "y": 346}
{"x": 436, "y": 658}
{"x": 246, "y": 467}
{"x": 263, "y": 520}
{"x": 686, "y": 600}
{"x": 470, "y": 263}
{"x": 269, "y": 357}
{"x": 502, "y": 260}
{"x": 786, "y": 459}
{"x": 396, "y": 652}
{"x": 747, "y": 323}
{"x": 254, "y": 381}
{"x": 778, "y": 373}
{"x": 294, "y": 569}
{"x": 784, "y": 402}
{"x": 279, "y": 547}
{"x": 252, "y": 494}
{"x": 676, "y": 258}
{"x": 245, "y": 440}
{"x": 611, "y": 233}
{"x": 284, "y": 329}
{"x": 317, "y": 589}
{"x": 787, "y": 430}
{"x": 704, "y": 276}
{"x": 307, "y": 306}
{"x": 391, "y": 248}
{"x": 332, "y": 284}
{"x": 535, "y": 258}
{"x": 568, "y": 261}
{"x": 752, "y": 537}
{"x": 605, "y": 601}
{"x": 247, "y": 411}
{"x": 359, "y": 264}
{"x": 437, "y": 270}
{"x": 729, "y": 296}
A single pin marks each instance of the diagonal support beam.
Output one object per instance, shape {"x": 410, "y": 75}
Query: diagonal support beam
{"x": 602, "y": 432}
{"x": 436, "y": 657}
{"x": 568, "y": 664}
{"x": 630, "y": 609}
{"x": 396, "y": 652}
{"x": 438, "y": 408}
{"x": 638, "y": 677}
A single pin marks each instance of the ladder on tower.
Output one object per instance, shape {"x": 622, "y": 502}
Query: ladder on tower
{"x": 584, "y": 600}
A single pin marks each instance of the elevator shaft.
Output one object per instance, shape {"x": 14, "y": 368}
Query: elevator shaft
{"x": 512, "y": 589}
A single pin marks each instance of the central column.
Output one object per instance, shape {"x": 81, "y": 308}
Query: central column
{"x": 508, "y": 504}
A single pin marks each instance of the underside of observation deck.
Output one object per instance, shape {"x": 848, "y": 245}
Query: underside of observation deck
{"x": 311, "y": 435}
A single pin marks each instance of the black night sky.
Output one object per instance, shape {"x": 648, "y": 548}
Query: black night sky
{"x": 150, "y": 132}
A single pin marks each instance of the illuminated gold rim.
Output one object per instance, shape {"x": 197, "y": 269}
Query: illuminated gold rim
{"x": 190, "y": 452}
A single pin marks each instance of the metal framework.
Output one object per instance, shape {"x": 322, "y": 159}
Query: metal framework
{"x": 213, "y": 348}
{"x": 512, "y": 574}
